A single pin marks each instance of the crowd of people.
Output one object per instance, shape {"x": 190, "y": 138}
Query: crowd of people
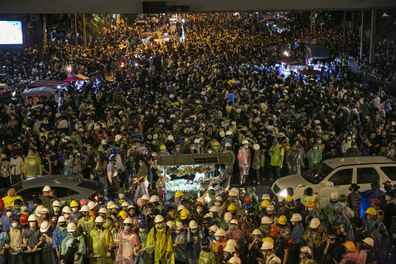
{"x": 216, "y": 86}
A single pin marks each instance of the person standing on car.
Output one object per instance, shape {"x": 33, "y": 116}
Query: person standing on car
{"x": 16, "y": 168}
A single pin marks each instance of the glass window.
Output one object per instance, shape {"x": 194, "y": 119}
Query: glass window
{"x": 318, "y": 173}
{"x": 390, "y": 171}
{"x": 366, "y": 175}
{"x": 61, "y": 192}
{"x": 30, "y": 194}
{"x": 342, "y": 177}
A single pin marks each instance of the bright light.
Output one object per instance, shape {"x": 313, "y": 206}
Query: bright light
{"x": 122, "y": 65}
{"x": 69, "y": 68}
{"x": 286, "y": 53}
{"x": 13, "y": 94}
{"x": 183, "y": 20}
{"x": 283, "y": 193}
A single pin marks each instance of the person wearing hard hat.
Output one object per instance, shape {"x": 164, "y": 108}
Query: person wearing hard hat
{"x": 284, "y": 226}
{"x": 206, "y": 255}
{"x": 296, "y": 236}
{"x": 101, "y": 243}
{"x": 180, "y": 243}
{"x": 254, "y": 246}
{"x": 258, "y": 162}
{"x": 46, "y": 198}
{"x": 314, "y": 236}
{"x": 306, "y": 256}
{"x": 265, "y": 226}
{"x": 229, "y": 252}
{"x": 184, "y": 216}
{"x": 343, "y": 223}
{"x": 66, "y": 212}
{"x": 178, "y": 198}
{"x": 233, "y": 231}
{"x": 244, "y": 161}
{"x": 74, "y": 207}
{"x": 367, "y": 251}
{"x": 30, "y": 238}
{"x": 220, "y": 243}
{"x": 85, "y": 224}
{"x": 128, "y": 243}
{"x": 194, "y": 237}
{"x": 73, "y": 247}
{"x": 328, "y": 214}
{"x": 159, "y": 241}
{"x": 352, "y": 254}
{"x": 56, "y": 207}
{"x": 281, "y": 248}
{"x": 47, "y": 253}
{"x": 58, "y": 235}
{"x": 267, "y": 249}
{"x": 143, "y": 256}
{"x": 107, "y": 221}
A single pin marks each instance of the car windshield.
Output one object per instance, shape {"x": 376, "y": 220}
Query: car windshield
{"x": 318, "y": 173}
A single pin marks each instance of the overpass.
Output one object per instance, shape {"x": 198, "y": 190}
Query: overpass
{"x": 136, "y": 6}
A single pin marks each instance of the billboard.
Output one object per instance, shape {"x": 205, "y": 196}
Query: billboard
{"x": 11, "y": 32}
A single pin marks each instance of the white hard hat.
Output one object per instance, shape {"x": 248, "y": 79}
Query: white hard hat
{"x": 220, "y": 232}
{"x": 213, "y": 228}
{"x": 256, "y": 146}
{"x": 229, "y": 249}
{"x": 232, "y": 242}
{"x": 296, "y": 218}
{"x": 71, "y": 227}
{"x": 38, "y": 210}
{"x": 193, "y": 224}
{"x": 234, "y": 260}
{"x": 213, "y": 209}
{"x": 234, "y": 222}
{"x": 32, "y": 218}
{"x": 275, "y": 260}
{"x": 227, "y": 216}
{"x": 245, "y": 142}
{"x": 228, "y": 144}
{"x": 145, "y": 197}
{"x": 44, "y": 226}
{"x": 369, "y": 241}
{"x": 103, "y": 210}
{"x": 56, "y": 203}
{"x": 265, "y": 196}
{"x": 179, "y": 225}
{"x": 229, "y": 132}
{"x": 158, "y": 219}
{"x": 99, "y": 219}
{"x": 154, "y": 199}
{"x": 92, "y": 205}
{"x": 128, "y": 220}
{"x": 270, "y": 208}
{"x": 233, "y": 192}
{"x": 306, "y": 250}
{"x": 117, "y": 137}
{"x": 180, "y": 207}
{"x": 66, "y": 210}
{"x": 267, "y": 245}
{"x": 61, "y": 219}
{"x": 208, "y": 215}
{"x": 315, "y": 223}
{"x": 125, "y": 204}
{"x": 256, "y": 232}
{"x": 265, "y": 220}
{"x": 46, "y": 188}
{"x": 84, "y": 208}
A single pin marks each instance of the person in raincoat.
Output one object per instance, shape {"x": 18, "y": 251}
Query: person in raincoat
{"x": 144, "y": 257}
{"x": 295, "y": 159}
{"x": 73, "y": 246}
{"x": 128, "y": 244}
{"x": 159, "y": 242}
{"x": 102, "y": 243}
{"x": 314, "y": 156}
{"x": 32, "y": 165}
{"x": 244, "y": 161}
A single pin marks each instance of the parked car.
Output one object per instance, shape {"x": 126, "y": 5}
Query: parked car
{"x": 336, "y": 175}
{"x": 73, "y": 187}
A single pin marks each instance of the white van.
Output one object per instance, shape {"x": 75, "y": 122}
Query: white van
{"x": 336, "y": 175}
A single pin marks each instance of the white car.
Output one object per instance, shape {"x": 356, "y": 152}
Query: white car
{"x": 336, "y": 175}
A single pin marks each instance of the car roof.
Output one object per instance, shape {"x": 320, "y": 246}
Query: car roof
{"x": 51, "y": 180}
{"x": 364, "y": 160}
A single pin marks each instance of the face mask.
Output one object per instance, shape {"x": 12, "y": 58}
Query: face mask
{"x": 8, "y": 214}
{"x": 127, "y": 228}
{"x": 71, "y": 234}
{"x": 23, "y": 209}
{"x": 142, "y": 230}
{"x": 14, "y": 225}
{"x": 74, "y": 209}
{"x": 177, "y": 231}
{"x": 32, "y": 224}
{"x": 99, "y": 225}
{"x": 194, "y": 231}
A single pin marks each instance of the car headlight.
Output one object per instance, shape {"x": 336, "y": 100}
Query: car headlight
{"x": 283, "y": 193}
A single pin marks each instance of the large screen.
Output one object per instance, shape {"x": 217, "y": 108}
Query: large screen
{"x": 11, "y": 32}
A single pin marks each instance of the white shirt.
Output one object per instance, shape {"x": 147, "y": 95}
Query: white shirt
{"x": 16, "y": 165}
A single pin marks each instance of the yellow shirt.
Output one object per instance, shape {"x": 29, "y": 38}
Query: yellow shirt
{"x": 9, "y": 200}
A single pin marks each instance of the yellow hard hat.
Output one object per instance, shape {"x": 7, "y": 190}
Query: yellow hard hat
{"x": 268, "y": 239}
{"x": 232, "y": 207}
{"x": 289, "y": 198}
{"x": 162, "y": 147}
{"x": 123, "y": 214}
{"x": 73, "y": 204}
{"x": 216, "y": 144}
{"x": 178, "y": 194}
{"x": 264, "y": 203}
{"x": 371, "y": 211}
{"x": 184, "y": 214}
{"x": 350, "y": 246}
{"x": 282, "y": 220}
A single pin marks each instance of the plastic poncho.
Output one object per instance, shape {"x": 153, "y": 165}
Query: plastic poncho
{"x": 159, "y": 241}
{"x": 66, "y": 243}
{"x": 102, "y": 242}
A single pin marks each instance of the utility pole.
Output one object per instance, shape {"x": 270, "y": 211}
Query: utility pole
{"x": 84, "y": 31}
{"x": 361, "y": 36}
{"x": 45, "y": 41}
{"x": 75, "y": 27}
{"x": 373, "y": 20}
